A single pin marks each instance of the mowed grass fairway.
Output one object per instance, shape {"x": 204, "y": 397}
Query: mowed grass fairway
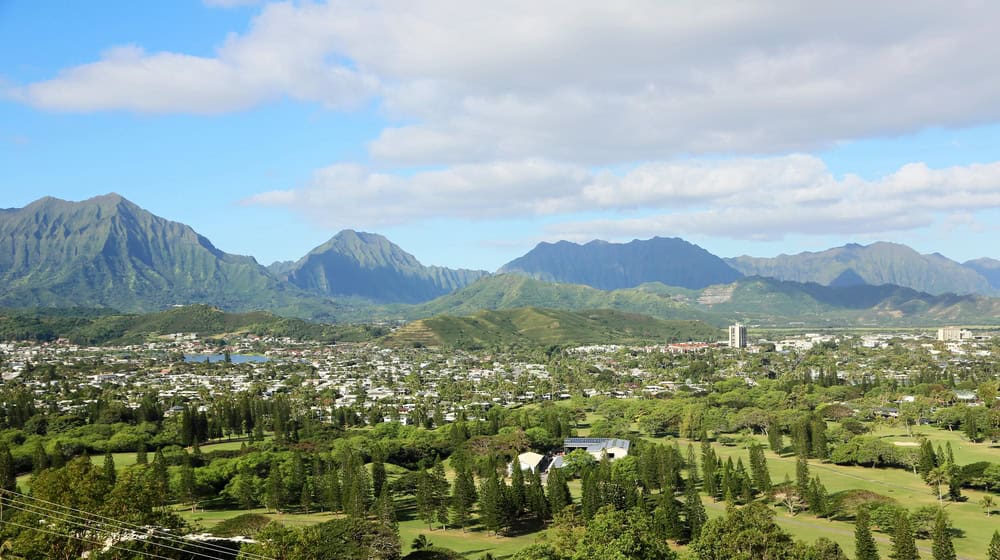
{"x": 906, "y": 488}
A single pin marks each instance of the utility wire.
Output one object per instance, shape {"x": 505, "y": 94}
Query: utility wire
{"x": 118, "y": 525}
{"x": 93, "y": 517}
{"x": 89, "y": 541}
{"x": 116, "y": 532}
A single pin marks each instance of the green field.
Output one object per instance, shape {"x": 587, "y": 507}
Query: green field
{"x": 908, "y": 489}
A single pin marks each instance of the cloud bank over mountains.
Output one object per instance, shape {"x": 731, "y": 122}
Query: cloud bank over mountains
{"x": 765, "y": 198}
{"x": 676, "y": 117}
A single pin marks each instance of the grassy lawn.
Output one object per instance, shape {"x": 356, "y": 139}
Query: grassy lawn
{"x": 965, "y": 451}
{"x": 908, "y": 489}
{"x": 473, "y": 543}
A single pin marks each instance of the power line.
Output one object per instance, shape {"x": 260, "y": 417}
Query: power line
{"x": 118, "y": 525}
{"x": 116, "y": 532}
{"x": 89, "y": 541}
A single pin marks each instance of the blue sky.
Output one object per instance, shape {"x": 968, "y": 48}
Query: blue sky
{"x": 467, "y": 132}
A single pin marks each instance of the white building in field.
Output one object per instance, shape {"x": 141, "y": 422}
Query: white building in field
{"x": 738, "y": 336}
{"x": 949, "y": 334}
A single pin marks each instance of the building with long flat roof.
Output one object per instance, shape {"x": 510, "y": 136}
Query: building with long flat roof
{"x": 598, "y": 447}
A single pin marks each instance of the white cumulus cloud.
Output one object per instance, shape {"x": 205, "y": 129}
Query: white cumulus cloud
{"x": 743, "y": 198}
{"x": 583, "y": 81}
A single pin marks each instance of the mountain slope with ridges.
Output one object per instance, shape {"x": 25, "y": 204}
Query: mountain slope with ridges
{"x": 876, "y": 264}
{"x": 612, "y": 266}
{"x": 106, "y": 251}
{"x": 370, "y": 266}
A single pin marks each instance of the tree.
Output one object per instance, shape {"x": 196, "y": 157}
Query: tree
{"x": 187, "y": 488}
{"x": 818, "y": 498}
{"x": 8, "y": 476}
{"x": 424, "y": 497}
{"x": 378, "y": 476}
{"x": 941, "y": 547}
{"x": 904, "y": 547}
{"x": 667, "y": 518}
{"x": 994, "y": 550}
{"x": 109, "y": 468}
{"x": 558, "y": 491}
{"x": 538, "y": 504}
{"x": 802, "y": 476}
{"x": 161, "y": 478}
{"x": 864, "y": 543}
{"x": 491, "y": 503}
{"x": 274, "y": 494}
{"x": 39, "y": 458}
{"x": 938, "y": 477}
{"x": 775, "y": 439}
{"x": 822, "y": 549}
{"x": 694, "y": 511}
{"x": 987, "y": 503}
{"x": 621, "y": 535}
{"x": 744, "y": 533}
{"x": 421, "y": 542}
{"x": 759, "y": 471}
{"x": 245, "y": 489}
{"x": 518, "y": 492}
{"x": 141, "y": 457}
{"x": 463, "y": 497}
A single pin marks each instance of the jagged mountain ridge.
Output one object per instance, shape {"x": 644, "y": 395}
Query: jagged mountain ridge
{"x": 612, "y": 266}
{"x": 369, "y": 265}
{"x": 106, "y": 251}
{"x": 875, "y": 264}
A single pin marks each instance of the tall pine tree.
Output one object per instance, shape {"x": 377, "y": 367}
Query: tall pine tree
{"x": 694, "y": 512}
{"x": 994, "y": 550}
{"x": 904, "y": 547}
{"x": 941, "y": 546}
{"x": 864, "y": 543}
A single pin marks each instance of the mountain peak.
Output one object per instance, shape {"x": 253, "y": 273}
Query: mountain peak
{"x": 369, "y": 265}
{"x": 609, "y": 266}
{"x": 106, "y": 251}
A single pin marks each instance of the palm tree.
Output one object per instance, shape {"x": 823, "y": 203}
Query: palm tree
{"x": 421, "y": 542}
{"x": 987, "y": 503}
{"x": 937, "y": 478}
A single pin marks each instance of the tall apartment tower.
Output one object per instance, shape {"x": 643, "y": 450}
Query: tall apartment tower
{"x": 738, "y": 336}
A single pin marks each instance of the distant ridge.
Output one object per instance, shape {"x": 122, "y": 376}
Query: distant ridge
{"x": 875, "y": 264}
{"x": 612, "y": 266}
{"x": 988, "y": 269}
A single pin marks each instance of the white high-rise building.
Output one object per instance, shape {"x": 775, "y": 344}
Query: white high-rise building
{"x": 738, "y": 336}
{"x": 953, "y": 334}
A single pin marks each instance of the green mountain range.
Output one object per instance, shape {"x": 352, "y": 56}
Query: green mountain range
{"x": 612, "y": 266}
{"x": 108, "y": 253}
{"x": 370, "y": 266}
{"x": 542, "y": 327}
{"x": 756, "y": 300}
{"x": 875, "y": 264}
